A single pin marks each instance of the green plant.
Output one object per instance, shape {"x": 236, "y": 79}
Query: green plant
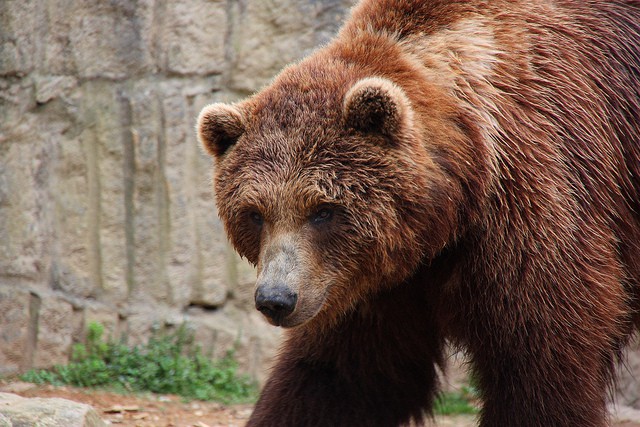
{"x": 168, "y": 363}
{"x": 456, "y": 402}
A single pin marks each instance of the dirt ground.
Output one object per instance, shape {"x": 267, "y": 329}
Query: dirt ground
{"x": 152, "y": 410}
{"x": 147, "y": 410}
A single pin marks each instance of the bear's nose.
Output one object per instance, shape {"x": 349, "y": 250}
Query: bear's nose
{"x": 275, "y": 302}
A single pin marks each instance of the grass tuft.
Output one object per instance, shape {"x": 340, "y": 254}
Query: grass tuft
{"x": 456, "y": 402}
{"x": 169, "y": 363}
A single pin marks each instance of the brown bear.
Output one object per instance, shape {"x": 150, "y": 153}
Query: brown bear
{"x": 443, "y": 171}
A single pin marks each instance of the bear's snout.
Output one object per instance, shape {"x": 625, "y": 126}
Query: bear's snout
{"x": 275, "y": 301}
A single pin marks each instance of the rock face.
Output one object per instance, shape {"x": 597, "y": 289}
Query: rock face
{"x": 628, "y": 386}
{"x": 18, "y": 411}
{"x": 105, "y": 197}
{"x": 106, "y": 209}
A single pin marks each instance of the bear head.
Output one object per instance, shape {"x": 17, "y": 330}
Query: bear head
{"x": 323, "y": 182}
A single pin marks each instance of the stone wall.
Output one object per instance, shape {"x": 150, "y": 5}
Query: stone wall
{"x": 106, "y": 210}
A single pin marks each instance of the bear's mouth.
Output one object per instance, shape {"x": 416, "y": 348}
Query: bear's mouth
{"x": 284, "y": 320}
{"x": 281, "y": 320}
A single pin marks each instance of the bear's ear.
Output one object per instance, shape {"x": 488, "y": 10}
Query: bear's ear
{"x": 219, "y": 127}
{"x": 377, "y": 105}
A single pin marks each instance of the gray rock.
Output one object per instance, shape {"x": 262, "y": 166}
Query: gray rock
{"x": 628, "y": 382}
{"x": 194, "y": 39}
{"x": 624, "y": 414}
{"x": 50, "y": 87}
{"x": 270, "y": 34}
{"x": 55, "y": 330}
{"x": 18, "y": 411}
{"x": 16, "y": 330}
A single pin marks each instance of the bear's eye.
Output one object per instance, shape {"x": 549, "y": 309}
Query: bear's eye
{"x": 322, "y": 215}
{"x": 256, "y": 218}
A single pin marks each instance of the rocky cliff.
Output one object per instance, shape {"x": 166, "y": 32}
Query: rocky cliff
{"x": 106, "y": 209}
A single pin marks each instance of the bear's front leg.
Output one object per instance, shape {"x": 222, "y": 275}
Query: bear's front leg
{"x": 376, "y": 368}
{"x": 553, "y": 368}
{"x": 516, "y": 393}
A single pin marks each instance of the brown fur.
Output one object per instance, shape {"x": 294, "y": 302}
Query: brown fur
{"x": 465, "y": 171}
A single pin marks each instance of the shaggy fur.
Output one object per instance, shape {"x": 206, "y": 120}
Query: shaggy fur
{"x": 443, "y": 170}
